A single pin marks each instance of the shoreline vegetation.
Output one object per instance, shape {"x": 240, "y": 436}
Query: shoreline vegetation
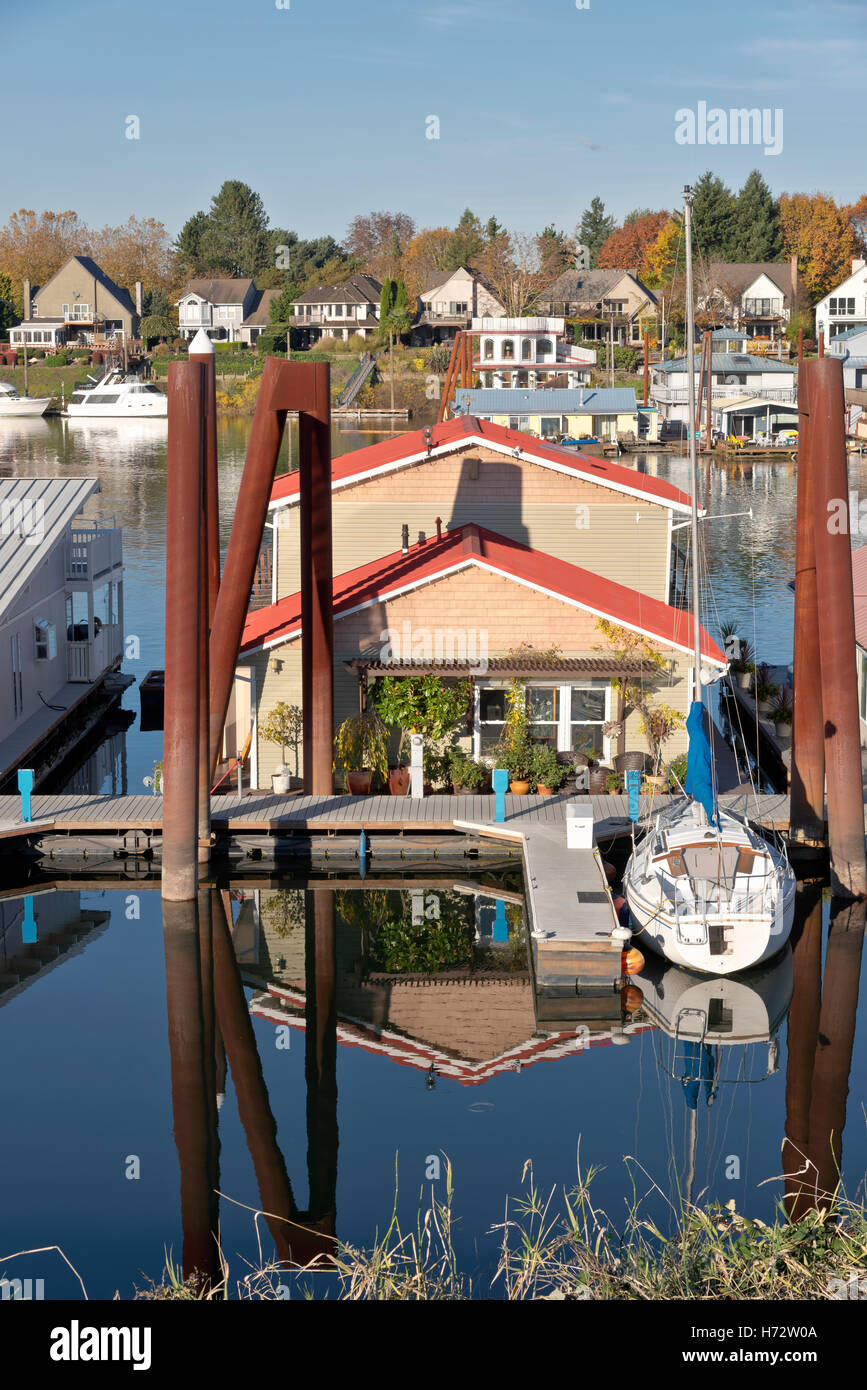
{"x": 568, "y": 1250}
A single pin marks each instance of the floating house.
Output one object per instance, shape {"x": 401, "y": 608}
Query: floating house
{"x": 734, "y": 376}
{"x": 522, "y": 352}
{"x": 61, "y": 610}
{"x": 605, "y": 413}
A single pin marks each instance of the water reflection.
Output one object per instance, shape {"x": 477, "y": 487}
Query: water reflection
{"x": 418, "y": 988}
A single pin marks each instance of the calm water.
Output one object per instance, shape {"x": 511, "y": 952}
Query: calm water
{"x": 112, "y": 1141}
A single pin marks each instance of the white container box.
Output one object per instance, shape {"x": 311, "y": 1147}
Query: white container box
{"x": 579, "y": 826}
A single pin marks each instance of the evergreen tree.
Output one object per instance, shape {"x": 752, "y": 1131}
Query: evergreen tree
{"x": 394, "y": 319}
{"x": 756, "y": 234}
{"x": 493, "y": 229}
{"x": 468, "y": 241}
{"x": 713, "y": 211}
{"x": 595, "y": 228}
{"x": 189, "y": 242}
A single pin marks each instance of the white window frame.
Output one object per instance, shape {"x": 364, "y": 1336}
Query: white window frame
{"x": 564, "y": 723}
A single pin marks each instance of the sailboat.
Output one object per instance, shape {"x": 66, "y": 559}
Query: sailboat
{"x": 704, "y": 889}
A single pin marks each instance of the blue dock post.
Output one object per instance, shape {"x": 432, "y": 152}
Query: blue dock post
{"x": 500, "y": 929}
{"x": 28, "y": 926}
{"x": 633, "y": 786}
{"x": 501, "y": 782}
{"x": 25, "y": 786}
{"x": 363, "y": 852}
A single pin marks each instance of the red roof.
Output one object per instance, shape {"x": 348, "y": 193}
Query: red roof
{"x": 473, "y": 545}
{"x": 404, "y": 449}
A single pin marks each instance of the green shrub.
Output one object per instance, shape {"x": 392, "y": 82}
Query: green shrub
{"x": 546, "y": 770}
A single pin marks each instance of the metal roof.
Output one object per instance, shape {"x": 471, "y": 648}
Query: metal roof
{"x": 606, "y": 401}
{"x": 849, "y": 333}
{"x": 35, "y": 514}
{"x": 723, "y": 362}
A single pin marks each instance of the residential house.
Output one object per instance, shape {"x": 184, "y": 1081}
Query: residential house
{"x": 607, "y": 304}
{"x": 735, "y": 376}
{"x": 220, "y": 307}
{"x": 80, "y": 304}
{"x": 61, "y": 607}
{"x": 259, "y": 318}
{"x": 757, "y": 297}
{"x": 403, "y": 498}
{"x": 461, "y": 604}
{"x": 452, "y": 302}
{"x": 581, "y": 413}
{"x": 515, "y": 352}
{"x": 846, "y": 305}
{"x": 851, "y": 346}
{"x": 339, "y": 311}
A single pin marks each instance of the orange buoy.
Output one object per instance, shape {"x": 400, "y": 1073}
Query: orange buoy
{"x": 631, "y": 998}
{"x": 631, "y": 961}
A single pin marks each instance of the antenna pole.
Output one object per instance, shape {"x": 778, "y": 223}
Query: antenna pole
{"x": 690, "y": 415}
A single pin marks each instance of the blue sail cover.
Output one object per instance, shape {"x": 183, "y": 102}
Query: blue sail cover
{"x": 699, "y": 775}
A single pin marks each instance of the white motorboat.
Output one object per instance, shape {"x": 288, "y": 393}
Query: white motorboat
{"x": 13, "y": 404}
{"x": 704, "y": 889}
{"x": 117, "y": 396}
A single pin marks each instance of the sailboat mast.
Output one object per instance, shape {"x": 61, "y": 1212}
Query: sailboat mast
{"x": 693, "y": 461}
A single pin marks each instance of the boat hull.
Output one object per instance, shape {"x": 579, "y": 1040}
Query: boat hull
{"x": 758, "y": 939}
{"x": 23, "y": 406}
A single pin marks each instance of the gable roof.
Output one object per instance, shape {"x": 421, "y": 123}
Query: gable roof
{"x": 451, "y": 436}
{"x": 358, "y": 289}
{"x": 36, "y": 514}
{"x": 473, "y": 546}
{"x": 260, "y": 314}
{"x": 219, "y": 291}
{"x": 90, "y": 267}
{"x": 443, "y": 277}
{"x": 741, "y": 274}
{"x": 587, "y": 287}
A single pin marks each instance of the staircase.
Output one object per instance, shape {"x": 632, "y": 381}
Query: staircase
{"x": 353, "y": 386}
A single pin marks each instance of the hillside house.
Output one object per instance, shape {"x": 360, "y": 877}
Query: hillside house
{"x": 220, "y": 307}
{"x": 79, "y": 304}
{"x": 452, "y": 302}
{"x": 607, "y": 305}
{"x": 756, "y": 297}
{"x": 339, "y": 311}
{"x": 845, "y": 306}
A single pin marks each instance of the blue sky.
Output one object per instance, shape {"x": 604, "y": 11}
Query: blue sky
{"x": 322, "y": 107}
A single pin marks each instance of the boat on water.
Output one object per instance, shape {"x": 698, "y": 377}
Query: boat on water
{"x": 117, "y": 395}
{"x": 13, "y": 404}
{"x": 704, "y": 888}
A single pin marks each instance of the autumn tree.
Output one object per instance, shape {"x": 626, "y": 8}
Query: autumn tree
{"x": 35, "y": 245}
{"x": 661, "y": 255}
{"x": 378, "y": 240}
{"x": 512, "y": 266}
{"x": 139, "y": 249}
{"x": 818, "y": 232}
{"x": 626, "y": 247}
{"x": 856, "y": 216}
{"x": 426, "y": 257}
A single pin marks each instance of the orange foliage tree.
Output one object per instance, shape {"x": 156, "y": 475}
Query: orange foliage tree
{"x": 626, "y": 247}
{"x": 819, "y": 234}
{"x": 35, "y": 245}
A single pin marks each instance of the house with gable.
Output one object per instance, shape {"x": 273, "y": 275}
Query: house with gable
{"x": 755, "y": 297}
{"x": 566, "y": 540}
{"x": 606, "y": 303}
{"x": 220, "y": 307}
{"x": 845, "y": 306}
{"x": 80, "y": 303}
{"x": 452, "y": 302}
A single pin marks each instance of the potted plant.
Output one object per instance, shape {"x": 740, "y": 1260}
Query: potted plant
{"x": 782, "y": 715}
{"x": 743, "y": 666}
{"x": 467, "y": 776}
{"x": 518, "y": 761}
{"x": 613, "y": 782}
{"x": 398, "y": 780}
{"x": 515, "y": 751}
{"x": 548, "y": 772}
{"x": 283, "y": 726}
{"x": 427, "y": 705}
{"x": 765, "y": 689}
{"x": 676, "y": 773}
{"x": 361, "y": 747}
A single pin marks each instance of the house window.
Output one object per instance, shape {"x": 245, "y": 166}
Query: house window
{"x": 841, "y": 306}
{"x": 550, "y": 425}
{"x": 586, "y": 717}
{"x": 543, "y": 348}
{"x": 508, "y": 350}
{"x": 514, "y": 422}
{"x": 569, "y": 717}
{"x": 489, "y": 349}
{"x": 526, "y": 350}
{"x": 492, "y": 715}
{"x": 65, "y": 311}
{"x": 543, "y": 708}
{"x": 45, "y": 636}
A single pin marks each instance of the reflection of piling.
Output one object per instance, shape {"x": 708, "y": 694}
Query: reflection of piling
{"x": 317, "y": 635}
{"x": 320, "y": 1044}
{"x": 194, "y": 1119}
{"x": 835, "y": 1040}
{"x": 807, "y": 816}
{"x": 802, "y": 1032}
{"x": 837, "y": 629}
{"x": 183, "y": 539}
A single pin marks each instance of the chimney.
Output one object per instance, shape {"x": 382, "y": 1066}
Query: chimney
{"x": 27, "y": 297}
{"x": 138, "y": 298}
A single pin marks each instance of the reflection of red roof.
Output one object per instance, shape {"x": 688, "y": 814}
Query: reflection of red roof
{"x": 409, "y": 1052}
{"x": 405, "y": 449}
{"x": 471, "y": 545}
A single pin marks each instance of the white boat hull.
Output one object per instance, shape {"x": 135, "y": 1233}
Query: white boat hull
{"x": 18, "y": 406}
{"x": 716, "y": 927}
{"x": 155, "y": 410}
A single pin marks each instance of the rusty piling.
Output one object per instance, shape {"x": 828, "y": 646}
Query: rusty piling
{"x": 317, "y": 633}
{"x": 807, "y": 815}
{"x": 183, "y": 578}
{"x": 837, "y": 628}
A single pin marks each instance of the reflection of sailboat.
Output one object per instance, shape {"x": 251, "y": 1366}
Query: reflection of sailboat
{"x": 704, "y": 888}
{"x": 716, "y": 1031}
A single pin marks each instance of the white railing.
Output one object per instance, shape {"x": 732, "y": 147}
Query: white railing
{"x": 93, "y": 550}
{"x": 679, "y": 395}
{"x": 85, "y": 661}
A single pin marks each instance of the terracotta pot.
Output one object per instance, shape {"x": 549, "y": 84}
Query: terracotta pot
{"x": 657, "y": 782}
{"x": 398, "y": 780}
{"x": 519, "y": 787}
{"x": 359, "y": 782}
{"x": 544, "y": 791}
